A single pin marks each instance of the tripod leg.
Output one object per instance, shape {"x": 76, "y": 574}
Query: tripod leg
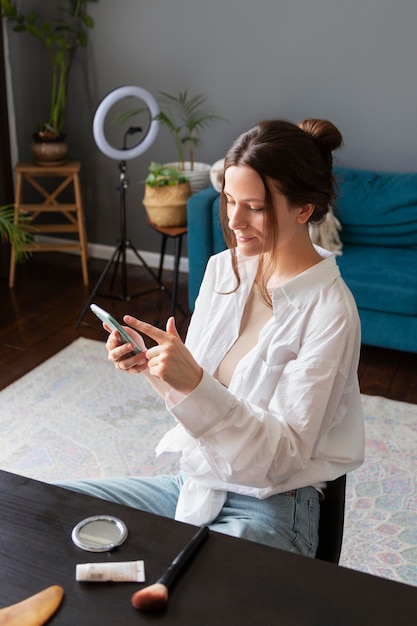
{"x": 124, "y": 273}
{"x": 145, "y": 265}
{"x": 162, "y": 255}
{"x": 116, "y": 267}
{"x": 98, "y": 283}
{"x": 178, "y": 242}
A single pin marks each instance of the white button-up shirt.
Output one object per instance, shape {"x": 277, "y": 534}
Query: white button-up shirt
{"x": 292, "y": 414}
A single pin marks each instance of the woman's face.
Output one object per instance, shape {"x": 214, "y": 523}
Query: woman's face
{"x": 245, "y": 197}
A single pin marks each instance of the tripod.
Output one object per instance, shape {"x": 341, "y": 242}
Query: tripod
{"x": 119, "y": 255}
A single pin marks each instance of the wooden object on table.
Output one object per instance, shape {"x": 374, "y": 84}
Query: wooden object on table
{"x": 33, "y": 611}
{"x": 73, "y": 212}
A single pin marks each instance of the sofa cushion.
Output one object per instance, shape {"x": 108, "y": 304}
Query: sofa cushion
{"x": 377, "y": 208}
{"x": 205, "y": 236}
{"x": 381, "y": 279}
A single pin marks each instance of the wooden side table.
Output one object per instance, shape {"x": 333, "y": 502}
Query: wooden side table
{"x": 73, "y": 213}
{"x": 176, "y": 233}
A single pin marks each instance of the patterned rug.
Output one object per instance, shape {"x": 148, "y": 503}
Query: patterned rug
{"x": 76, "y": 416}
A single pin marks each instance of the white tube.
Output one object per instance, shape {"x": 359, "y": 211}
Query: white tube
{"x": 128, "y": 571}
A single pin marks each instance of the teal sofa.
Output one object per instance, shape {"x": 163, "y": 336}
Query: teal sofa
{"x": 378, "y": 215}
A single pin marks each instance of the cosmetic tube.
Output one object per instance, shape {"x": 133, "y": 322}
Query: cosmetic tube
{"x": 128, "y": 571}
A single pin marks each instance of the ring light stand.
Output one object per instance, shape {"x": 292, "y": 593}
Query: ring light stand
{"x": 119, "y": 255}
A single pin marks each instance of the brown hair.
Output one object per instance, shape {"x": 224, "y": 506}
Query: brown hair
{"x": 298, "y": 161}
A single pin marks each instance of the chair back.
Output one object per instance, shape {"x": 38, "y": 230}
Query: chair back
{"x": 332, "y": 517}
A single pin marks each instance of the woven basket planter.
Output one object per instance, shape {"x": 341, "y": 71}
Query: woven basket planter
{"x": 167, "y": 206}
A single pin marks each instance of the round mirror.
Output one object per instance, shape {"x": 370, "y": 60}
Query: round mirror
{"x": 99, "y": 533}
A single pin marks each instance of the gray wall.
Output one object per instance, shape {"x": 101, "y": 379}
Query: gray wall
{"x": 353, "y": 62}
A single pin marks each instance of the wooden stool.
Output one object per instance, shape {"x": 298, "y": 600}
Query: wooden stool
{"x": 73, "y": 213}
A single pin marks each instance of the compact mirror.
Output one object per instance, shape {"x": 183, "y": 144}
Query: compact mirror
{"x": 99, "y": 533}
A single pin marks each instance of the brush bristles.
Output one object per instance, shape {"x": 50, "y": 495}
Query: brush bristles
{"x": 152, "y": 598}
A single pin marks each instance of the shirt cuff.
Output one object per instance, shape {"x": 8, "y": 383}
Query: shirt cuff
{"x": 203, "y": 408}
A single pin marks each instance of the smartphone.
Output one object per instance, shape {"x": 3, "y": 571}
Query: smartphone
{"x": 114, "y": 325}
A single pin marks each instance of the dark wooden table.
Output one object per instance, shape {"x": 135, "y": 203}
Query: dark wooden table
{"x": 230, "y": 582}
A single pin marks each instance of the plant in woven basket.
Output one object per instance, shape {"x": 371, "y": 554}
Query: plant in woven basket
{"x": 166, "y": 193}
{"x": 163, "y": 176}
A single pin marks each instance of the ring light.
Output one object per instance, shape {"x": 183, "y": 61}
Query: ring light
{"x": 101, "y": 113}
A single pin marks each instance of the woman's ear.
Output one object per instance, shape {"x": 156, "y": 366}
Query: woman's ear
{"x": 304, "y": 213}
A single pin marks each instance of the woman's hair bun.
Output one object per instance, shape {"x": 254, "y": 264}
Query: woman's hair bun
{"x": 324, "y": 133}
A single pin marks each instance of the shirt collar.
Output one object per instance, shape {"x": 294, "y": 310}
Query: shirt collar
{"x": 299, "y": 288}
{"x": 306, "y": 285}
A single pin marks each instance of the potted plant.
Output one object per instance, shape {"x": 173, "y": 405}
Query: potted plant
{"x": 60, "y": 37}
{"x": 185, "y": 117}
{"x": 16, "y": 234}
{"x": 166, "y": 193}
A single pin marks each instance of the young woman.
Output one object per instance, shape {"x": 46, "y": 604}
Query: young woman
{"x": 265, "y": 388}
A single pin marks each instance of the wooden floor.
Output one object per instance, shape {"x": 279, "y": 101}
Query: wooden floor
{"x": 38, "y": 317}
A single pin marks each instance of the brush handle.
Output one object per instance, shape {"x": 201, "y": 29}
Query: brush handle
{"x": 181, "y": 560}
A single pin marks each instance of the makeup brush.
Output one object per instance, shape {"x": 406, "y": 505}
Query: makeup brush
{"x": 155, "y": 597}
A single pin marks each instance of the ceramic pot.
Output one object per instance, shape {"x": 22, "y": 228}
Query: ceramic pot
{"x": 49, "y": 152}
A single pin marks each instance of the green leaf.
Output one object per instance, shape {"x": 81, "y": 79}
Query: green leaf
{"x": 32, "y": 17}
{"x": 16, "y": 234}
{"x": 88, "y": 21}
{"x": 162, "y": 176}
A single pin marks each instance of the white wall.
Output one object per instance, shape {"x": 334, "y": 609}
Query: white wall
{"x": 354, "y": 63}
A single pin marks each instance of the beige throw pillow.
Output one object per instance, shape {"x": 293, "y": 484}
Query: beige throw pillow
{"x": 326, "y": 234}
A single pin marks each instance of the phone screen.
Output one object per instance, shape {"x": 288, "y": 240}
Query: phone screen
{"x": 104, "y": 316}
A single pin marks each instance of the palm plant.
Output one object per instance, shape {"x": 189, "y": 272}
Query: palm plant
{"x": 17, "y": 234}
{"x": 60, "y": 38}
{"x": 185, "y": 117}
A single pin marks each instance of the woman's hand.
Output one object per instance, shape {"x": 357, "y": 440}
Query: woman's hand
{"x": 121, "y": 353}
{"x": 169, "y": 360}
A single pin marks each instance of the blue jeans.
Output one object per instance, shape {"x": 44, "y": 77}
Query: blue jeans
{"x": 288, "y": 520}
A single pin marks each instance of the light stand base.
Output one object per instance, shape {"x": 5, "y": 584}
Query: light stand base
{"x": 119, "y": 254}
